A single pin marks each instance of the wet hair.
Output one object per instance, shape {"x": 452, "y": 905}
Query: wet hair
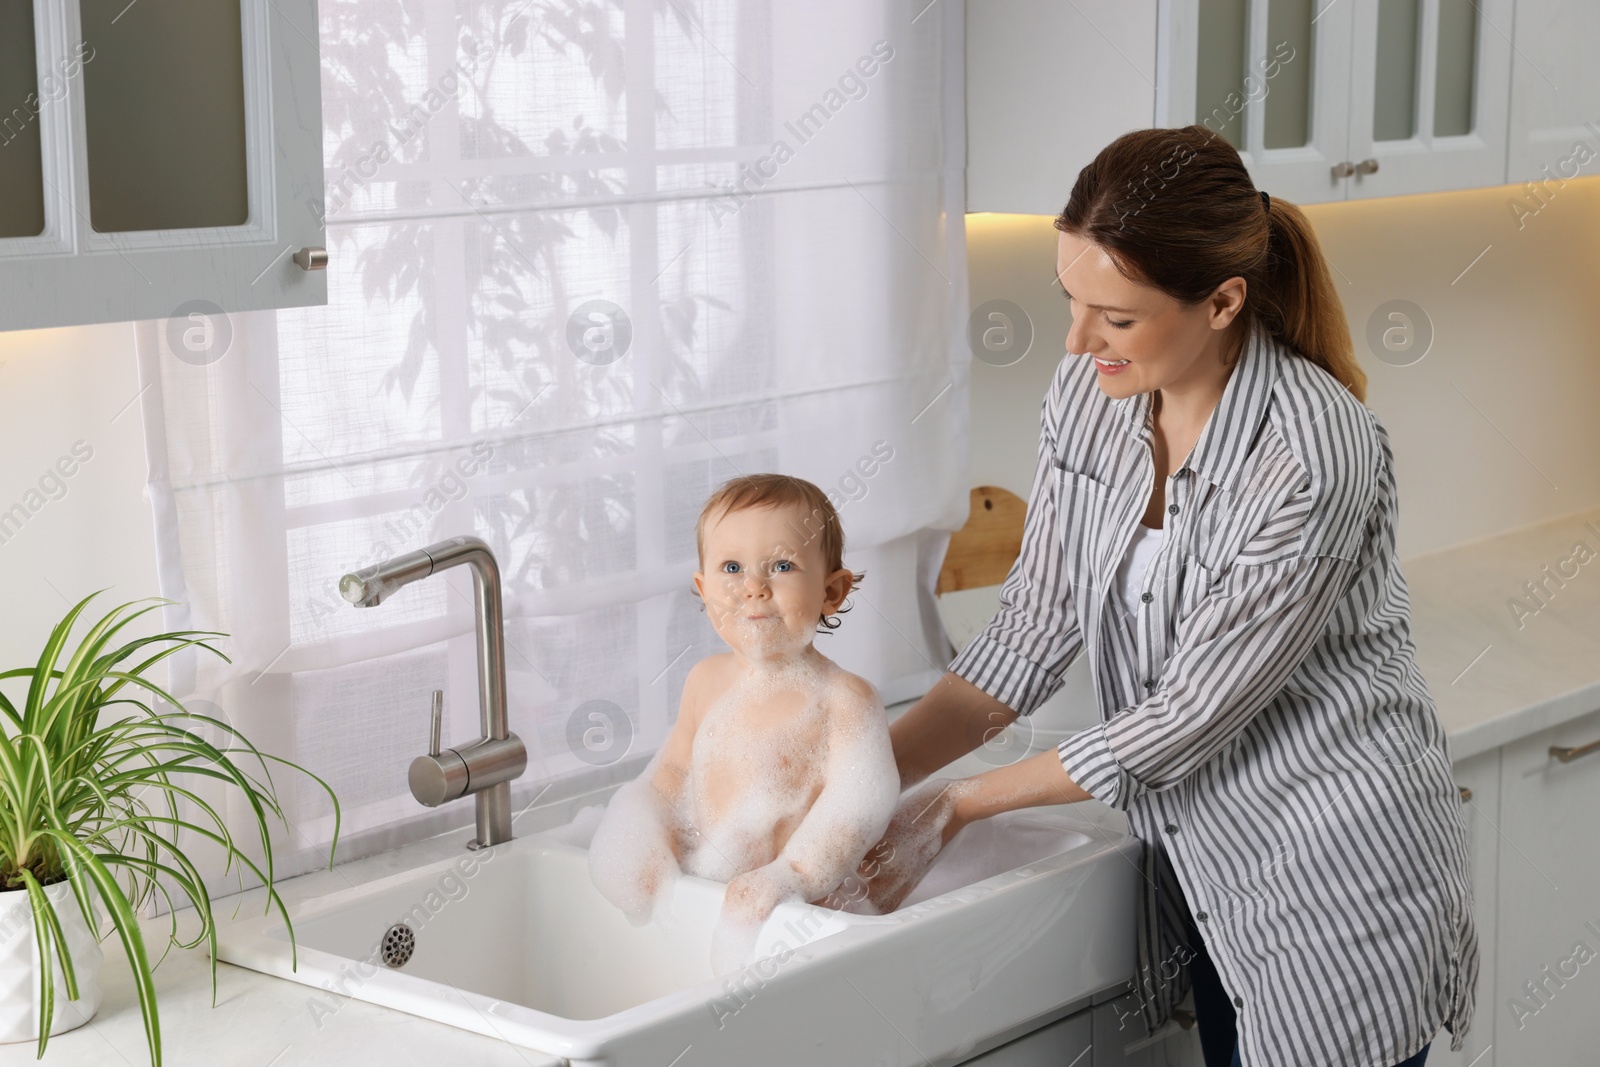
{"x": 1175, "y": 209}
{"x": 779, "y": 490}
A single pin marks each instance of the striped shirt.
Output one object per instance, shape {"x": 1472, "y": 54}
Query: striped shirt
{"x": 1263, "y": 722}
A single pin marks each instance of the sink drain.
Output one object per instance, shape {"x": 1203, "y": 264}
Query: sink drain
{"x": 398, "y": 944}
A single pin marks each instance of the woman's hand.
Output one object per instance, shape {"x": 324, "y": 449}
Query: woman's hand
{"x": 925, "y": 821}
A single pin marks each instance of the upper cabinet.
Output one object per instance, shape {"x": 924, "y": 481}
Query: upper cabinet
{"x": 1324, "y": 99}
{"x": 161, "y": 158}
{"x": 1555, "y": 93}
{"x": 1359, "y": 98}
{"x": 1049, "y": 84}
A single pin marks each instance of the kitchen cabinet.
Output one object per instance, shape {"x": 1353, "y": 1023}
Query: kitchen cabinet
{"x": 1555, "y": 94}
{"x": 1325, "y": 101}
{"x": 161, "y": 160}
{"x": 1049, "y": 85}
{"x": 1065, "y": 1041}
{"x": 1121, "y": 1040}
{"x": 1546, "y": 993}
{"x": 1342, "y": 101}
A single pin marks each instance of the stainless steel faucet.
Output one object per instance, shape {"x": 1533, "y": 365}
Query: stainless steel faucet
{"x": 486, "y": 767}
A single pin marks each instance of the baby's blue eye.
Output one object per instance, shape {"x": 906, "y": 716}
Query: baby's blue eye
{"x": 783, "y": 565}
{"x": 733, "y": 564}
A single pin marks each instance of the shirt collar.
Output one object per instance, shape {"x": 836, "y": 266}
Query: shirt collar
{"x": 1230, "y": 431}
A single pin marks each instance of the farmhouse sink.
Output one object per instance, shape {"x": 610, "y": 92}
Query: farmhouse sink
{"x": 1021, "y": 914}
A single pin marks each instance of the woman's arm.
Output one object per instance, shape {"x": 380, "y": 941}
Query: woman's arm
{"x": 1038, "y": 779}
{"x": 951, "y": 719}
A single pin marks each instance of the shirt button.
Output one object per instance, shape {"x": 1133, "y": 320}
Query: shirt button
{"x": 1146, "y": 597}
{"x": 1203, "y": 917}
{"x": 1149, "y": 683}
{"x": 1171, "y": 828}
{"x": 1172, "y": 509}
{"x": 1238, "y": 1002}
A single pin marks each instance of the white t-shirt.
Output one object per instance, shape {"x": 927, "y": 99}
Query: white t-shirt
{"x": 1130, "y": 573}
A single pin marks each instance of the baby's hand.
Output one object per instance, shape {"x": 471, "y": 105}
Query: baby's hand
{"x": 753, "y": 895}
{"x": 747, "y": 904}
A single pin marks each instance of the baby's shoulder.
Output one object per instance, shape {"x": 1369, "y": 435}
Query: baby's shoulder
{"x": 852, "y": 698}
{"x": 707, "y": 680}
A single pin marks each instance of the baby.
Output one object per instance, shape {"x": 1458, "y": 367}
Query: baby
{"x": 778, "y": 774}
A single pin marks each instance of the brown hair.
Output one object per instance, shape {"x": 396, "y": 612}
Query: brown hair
{"x": 779, "y": 490}
{"x": 1176, "y": 209}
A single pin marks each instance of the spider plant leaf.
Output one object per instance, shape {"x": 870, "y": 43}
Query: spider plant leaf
{"x": 90, "y": 868}
{"x": 45, "y": 669}
{"x": 46, "y": 931}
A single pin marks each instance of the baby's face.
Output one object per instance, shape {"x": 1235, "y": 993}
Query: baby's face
{"x": 764, "y": 580}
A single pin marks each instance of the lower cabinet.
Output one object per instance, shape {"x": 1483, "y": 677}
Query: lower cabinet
{"x": 1064, "y": 1043}
{"x": 1546, "y": 1002}
{"x": 1530, "y": 810}
{"x": 1101, "y": 1037}
{"x": 1121, "y": 1040}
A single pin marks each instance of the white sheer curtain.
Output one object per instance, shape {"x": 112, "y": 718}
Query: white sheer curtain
{"x": 768, "y": 199}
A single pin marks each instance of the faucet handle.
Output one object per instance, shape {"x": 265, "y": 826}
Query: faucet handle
{"x": 437, "y": 722}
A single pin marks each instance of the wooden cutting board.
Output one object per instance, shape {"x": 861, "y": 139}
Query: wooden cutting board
{"x": 982, "y": 551}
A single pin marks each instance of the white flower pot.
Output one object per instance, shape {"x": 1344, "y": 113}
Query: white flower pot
{"x": 20, "y": 1013}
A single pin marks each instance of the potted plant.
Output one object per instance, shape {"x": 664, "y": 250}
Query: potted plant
{"x": 96, "y": 787}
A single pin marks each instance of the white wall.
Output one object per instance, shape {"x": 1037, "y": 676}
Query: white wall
{"x": 81, "y": 532}
{"x": 1494, "y": 429}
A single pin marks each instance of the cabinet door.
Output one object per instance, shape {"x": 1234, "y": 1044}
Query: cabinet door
{"x": 173, "y": 160}
{"x": 1270, "y": 76}
{"x": 1479, "y": 779}
{"x": 1049, "y": 85}
{"x": 1063, "y": 1042}
{"x": 1429, "y": 93}
{"x": 1547, "y": 983}
{"x": 1555, "y": 92}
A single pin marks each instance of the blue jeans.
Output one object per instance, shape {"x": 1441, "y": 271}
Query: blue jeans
{"x": 1214, "y": 1016}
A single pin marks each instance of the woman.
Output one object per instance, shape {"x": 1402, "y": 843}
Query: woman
{"x": 1213, "y": 520}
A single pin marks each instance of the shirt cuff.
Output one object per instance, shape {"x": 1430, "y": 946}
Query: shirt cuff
{"x": 1005, "y": 674}
{"x": 1088, "y": 760}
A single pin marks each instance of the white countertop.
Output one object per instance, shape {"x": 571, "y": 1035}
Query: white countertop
{"x": 1495, "y": 679}
{"x": 1493, "y": 682}
{"x": 258, "y": 1019}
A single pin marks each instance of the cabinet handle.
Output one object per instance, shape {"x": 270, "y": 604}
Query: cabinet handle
{"x": 1567, "y": 755}
{"x": 311, "y": 258}
{"x": 1367, "y": 166}
{"x": 1466, "y": 794}
{"x": 1344, "y": 169}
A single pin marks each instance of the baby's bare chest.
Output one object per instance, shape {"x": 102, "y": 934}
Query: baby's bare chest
{"x": 751, "y": 748}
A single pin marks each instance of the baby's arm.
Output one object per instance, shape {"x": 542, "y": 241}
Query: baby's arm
{"x": 634, "y": 852}
{"x": 861, "y": 787}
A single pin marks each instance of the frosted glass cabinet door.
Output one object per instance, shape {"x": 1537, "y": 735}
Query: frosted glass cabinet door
{"x": 1429, "y": 92}
{"x": 1555, "y": 93}
{"x": 1270, "y": 76}
{"x": 168, "y": 159}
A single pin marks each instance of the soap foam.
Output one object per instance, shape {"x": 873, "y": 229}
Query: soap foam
{"x": 852, "y": 765}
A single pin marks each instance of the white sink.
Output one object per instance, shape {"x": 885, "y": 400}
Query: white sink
{"x": 1021, "y": 914}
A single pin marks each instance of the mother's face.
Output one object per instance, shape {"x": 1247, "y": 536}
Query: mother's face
{"x": 1113, "y": 318}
